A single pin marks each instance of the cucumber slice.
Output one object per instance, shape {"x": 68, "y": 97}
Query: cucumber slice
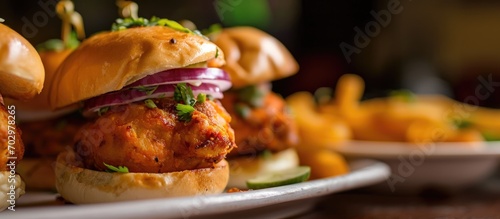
{"x": 280, "y": 178}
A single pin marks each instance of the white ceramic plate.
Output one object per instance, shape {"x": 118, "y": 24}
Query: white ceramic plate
{"x": 448, "y": 166}
{"x": 273, "y": 202}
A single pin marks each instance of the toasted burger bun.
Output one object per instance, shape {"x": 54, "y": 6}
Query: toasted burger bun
{"x": 122, "y": 57}
{"x": 81, "y": 186}
{"x": 38, "y": 107}
{"x": 254, "y": 57}
{"x": 21, "y": 69}
{"x": 245, "y": 168}
{"x": 5, "y": 189}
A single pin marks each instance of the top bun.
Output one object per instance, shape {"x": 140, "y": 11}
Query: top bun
{"x": 110, "y": 61}
{"x": 21, "y": 69}
{"x": 253, "y": 56}
{"x": 38, "y": 108}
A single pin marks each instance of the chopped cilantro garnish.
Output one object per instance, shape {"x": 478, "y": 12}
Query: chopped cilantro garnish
{"x": 214, "y": 28}
{"x": 150, "y": 104}
{"x": 201, "y": 98}
{"x": 251, "y": 95}
{"x": 148, "y": 90}
{"x": 186, "y": 101}
{"x": 405, "y": 95}
{"x": 267, "y": 154}
{"x": 125, "y": 23}
{"x": 184, "y": 112}
{"x": 102, "y": 110}
{"x": 217, "y": 53}
{"x": 490, "y": 137}
{"x": 242, "y": 110}
{"x": 58, "y": 44}
{"x": 119, "y": 169}
{"x": 462, "y": 124}
{"x": 184, "y": 94}
{"x": 50, "y": 45}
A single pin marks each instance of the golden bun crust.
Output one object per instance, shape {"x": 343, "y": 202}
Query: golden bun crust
{"x": 21, "y": 69}
{"x": 38, "y": 107}
{"x": 245, "y": 168}
{"x": 109, "y": 61}
{"x": 82, "y": 186}
{"x": 253, "y": 56}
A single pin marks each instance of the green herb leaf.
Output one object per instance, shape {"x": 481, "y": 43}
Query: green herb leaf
{"x": 58, "y": 44}
{"x": 148, "y": 90}
{"x": 242, "y": 110}
{"x": 184, "y": 94}
{"x": 50, "y": 45}
{"x": 201, "y": 98}
{"x": 102, "y": 110}
{"x": 73, "y": 41}
{"x": 162, "y": 96}
{"x": 267, "y": 154}
{"x": 150, "y": 104}
{"x": 217, "y": 53}
{"x": 125, "y": 23}
{"x": 185, "y": 112}
{"x": 251, "y": 95}
{"x": 119, "y": 169}
{"x": 170, "y": 23}
{"x": 214, "y": 28}
{"x": 210, "y": 97}
{"x": 405, "y": 95}
{"x": 490, "y": 137}
{"x": 462, "y": 124}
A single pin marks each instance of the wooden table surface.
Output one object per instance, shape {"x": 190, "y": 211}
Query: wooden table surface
{"x": 479, "y": 202}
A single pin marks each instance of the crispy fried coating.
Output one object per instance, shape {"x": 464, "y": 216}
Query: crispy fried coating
{"x": 154, "y": 140}
{"x": 47, "y": 138}
{"x": 268, "y": 127}
{"x": 6, "y": 139}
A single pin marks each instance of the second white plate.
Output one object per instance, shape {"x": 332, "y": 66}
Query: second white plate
{"x": 414, "y": 167}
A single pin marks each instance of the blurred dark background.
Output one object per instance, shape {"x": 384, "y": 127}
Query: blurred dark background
{"x": 448, "y": 47}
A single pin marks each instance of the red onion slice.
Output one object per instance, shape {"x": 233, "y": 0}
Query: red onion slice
{"x": 195, "y": 76}
{"x": 125, "y": 96}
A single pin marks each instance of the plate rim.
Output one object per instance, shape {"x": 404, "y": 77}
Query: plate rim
{"x": 367, "y": 172}
{"x": 385, "y": 149}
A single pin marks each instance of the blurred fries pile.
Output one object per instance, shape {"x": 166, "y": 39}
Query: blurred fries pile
{"x": 326, "y": 120}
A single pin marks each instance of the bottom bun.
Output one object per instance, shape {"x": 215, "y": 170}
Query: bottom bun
{"x": 81, "y": 186}
{"x": 38, "y": 173}
{"x": 245, "y": 168}
{"x": 10, "y": 189}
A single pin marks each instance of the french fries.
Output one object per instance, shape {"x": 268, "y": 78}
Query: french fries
{"x": 402, "y": 117}
{"x": 323, "y": 162}
{"x": 319, "y": 130}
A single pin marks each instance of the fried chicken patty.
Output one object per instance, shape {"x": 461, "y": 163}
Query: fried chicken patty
{"x": 268, "y": 127}
{"x": 14, "y": 137}
{"x": 48, "y": 138}
{"x": 154, "y": 140}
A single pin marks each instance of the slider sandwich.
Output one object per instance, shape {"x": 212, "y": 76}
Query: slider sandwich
{"x": 149, "y": 90}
